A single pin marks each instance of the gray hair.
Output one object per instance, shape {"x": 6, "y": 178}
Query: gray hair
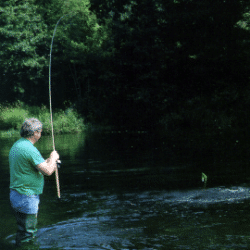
{"x": 30, "y": 126}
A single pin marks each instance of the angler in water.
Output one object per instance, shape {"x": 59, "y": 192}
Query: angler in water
{"x": 27, "y": 170}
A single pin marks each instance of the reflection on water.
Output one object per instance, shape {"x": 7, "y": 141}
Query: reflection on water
{"x": 121, "y": 192}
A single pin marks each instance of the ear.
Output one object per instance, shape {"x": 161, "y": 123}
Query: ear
{"x": 36, "y": 132}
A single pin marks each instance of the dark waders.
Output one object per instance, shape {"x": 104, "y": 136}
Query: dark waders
{"x": 26, "y": 227}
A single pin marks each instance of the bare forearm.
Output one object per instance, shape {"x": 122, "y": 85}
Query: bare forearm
{"x": 49, "y": 166}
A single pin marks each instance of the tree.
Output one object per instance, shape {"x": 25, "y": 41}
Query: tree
{"x": 77, "y": 47}
{"x": 26, "y": 31}
{"x": 23, "y": 56}
{"x": 169, "y": 53}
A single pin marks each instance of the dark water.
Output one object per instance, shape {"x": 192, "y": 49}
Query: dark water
{"x": 123, "y": 191}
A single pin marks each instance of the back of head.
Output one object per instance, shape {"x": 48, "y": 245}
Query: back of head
{"x": 30, "y": 126}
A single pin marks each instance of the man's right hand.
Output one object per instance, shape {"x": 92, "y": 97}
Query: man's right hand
{"x": 54, "y": 155}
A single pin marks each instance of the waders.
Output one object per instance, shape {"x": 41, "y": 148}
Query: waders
{"x": 26, "y": 227}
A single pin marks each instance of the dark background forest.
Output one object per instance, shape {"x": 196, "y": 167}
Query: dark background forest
{"x": 135, "y": 65}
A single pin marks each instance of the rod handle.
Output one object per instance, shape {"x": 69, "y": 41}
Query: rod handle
{"x": 57, "y": 179}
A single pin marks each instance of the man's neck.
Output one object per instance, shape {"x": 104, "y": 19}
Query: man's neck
{"x": 32, "y": 140}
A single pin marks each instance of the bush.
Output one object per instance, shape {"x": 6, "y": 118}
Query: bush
{"x": 12, "y": 117}
{"x": 63, "y": 122}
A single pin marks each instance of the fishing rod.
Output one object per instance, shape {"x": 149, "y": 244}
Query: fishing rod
{"x": 50, "y": 104}
{"x": 51, "y": 116}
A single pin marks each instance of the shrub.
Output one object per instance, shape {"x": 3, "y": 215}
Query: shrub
{"x": 12, "y": 117}
{"x": 63, "y": 122}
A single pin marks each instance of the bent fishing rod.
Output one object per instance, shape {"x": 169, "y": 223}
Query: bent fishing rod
{"x": 51, "y": 116}
{"x": 50, "y": 104}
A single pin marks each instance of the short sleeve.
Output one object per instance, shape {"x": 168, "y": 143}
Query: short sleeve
{"x": 36, "y": 157}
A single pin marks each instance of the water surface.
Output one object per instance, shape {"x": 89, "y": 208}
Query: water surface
{"x": 123, "y": 191}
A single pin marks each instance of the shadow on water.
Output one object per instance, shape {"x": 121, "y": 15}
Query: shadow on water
{"x": 132, "y": 192}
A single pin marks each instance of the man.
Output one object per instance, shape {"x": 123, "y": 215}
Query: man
{"x": 27, "y": 170}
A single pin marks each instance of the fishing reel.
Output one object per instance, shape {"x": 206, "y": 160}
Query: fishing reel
{"x": 58, "y": 163}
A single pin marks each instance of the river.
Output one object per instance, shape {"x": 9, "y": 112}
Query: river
{"x": 131, "y": 191}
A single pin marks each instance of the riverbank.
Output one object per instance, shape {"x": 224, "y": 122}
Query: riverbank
{"x": 64, "y": 121}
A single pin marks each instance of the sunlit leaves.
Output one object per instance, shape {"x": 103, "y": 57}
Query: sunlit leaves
{"x": 84, "y": 33}
{"x": 23, "y": 34}
{"x": 22, "y": 31}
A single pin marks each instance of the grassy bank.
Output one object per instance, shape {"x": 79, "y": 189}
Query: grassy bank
{"x": 12, "y": 117}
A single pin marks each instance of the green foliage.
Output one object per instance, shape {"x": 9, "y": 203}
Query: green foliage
{"x": 79, "y": 32}
{"x": 26, "y": 31}
{"x": 203, "y": 177}
{"x": 22, "y": 32}
{"x": 63, "y": 122}
{"x": 157, "y": 62}
{"x": 23, "y": 36}
{"x": 12, "y": 117}
{"x": 9, "y": 133}
{"x": 168, "y": 53}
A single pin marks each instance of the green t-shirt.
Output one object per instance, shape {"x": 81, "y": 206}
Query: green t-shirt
{"x": 24, "y": 176}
